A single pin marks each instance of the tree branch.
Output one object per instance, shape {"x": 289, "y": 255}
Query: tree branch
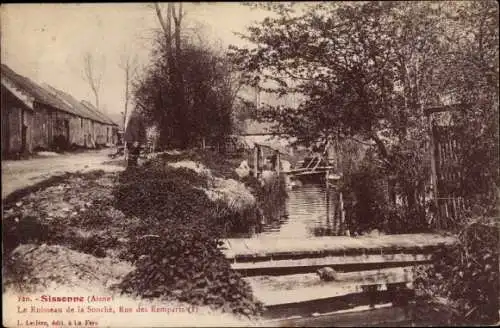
{"x": 163, "y": 23}
{"x": 89, "y": 76}
{"x": 380, "y": 145}
{"x": 361, "y": 142}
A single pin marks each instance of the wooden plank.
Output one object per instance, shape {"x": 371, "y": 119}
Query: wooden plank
{"x": 303, "y": 169}
{"x": 361, "y": 317}
{"x": 329, "y": 245}
{"x": 349, "y": 279}
{"x": 342, "y": 263}
{"x": 307, "y": 294}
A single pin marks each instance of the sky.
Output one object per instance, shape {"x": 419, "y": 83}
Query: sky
{"x": 47, "y": 42}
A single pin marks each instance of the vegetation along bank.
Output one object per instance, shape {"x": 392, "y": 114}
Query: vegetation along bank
{"x": 158, "y": 228}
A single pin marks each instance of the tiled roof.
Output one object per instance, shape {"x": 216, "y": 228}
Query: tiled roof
{"x": 103, "y": 116}
{"x": 37, "y": 92}
{"x": 71, "y": 102}
{"x": 80, "y": 107}
{"x": 54, "y": 98}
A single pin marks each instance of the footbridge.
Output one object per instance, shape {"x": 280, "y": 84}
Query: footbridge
{"x": 371, "y": 274}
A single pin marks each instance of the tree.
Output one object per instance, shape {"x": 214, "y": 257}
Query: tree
{"x": 472, "y": 73}
{"x": 349, "y": 55}
{"x": 93, "y": 76}
{"x": 210, "y": 88}
{"x": 128, "y": 64}
{"x": 189, "y": 89}
{"x": 175, "y": 14}
{"x": 367, "y": 70}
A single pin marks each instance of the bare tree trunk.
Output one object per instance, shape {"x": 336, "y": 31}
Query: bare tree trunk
{"x": 96, "y": 95}
{"x": 129, "y": 65}
{"x": 179, "y": 79}
{"x": 127, "y": 76}
{"x": 166, "y": 25}
{"x": 92, "y": 77}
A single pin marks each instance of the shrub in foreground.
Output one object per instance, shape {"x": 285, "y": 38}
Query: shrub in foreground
{"x": 184, "y": 263}
{"x": 176, "y": 250}
{"x": 467, "y": 275}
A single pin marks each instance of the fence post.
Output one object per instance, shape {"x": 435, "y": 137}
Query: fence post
{"x": 342, "y": 215}
{"x": 434, "y": 180}
{"x": 255, "y": 161}
{"x": 278, "y": 162}
{"x": 261, "y": 157}
{"x": 327, "y": 173}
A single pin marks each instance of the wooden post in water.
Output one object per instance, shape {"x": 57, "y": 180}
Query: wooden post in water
{"x": 330, "y": 224}
{"x": 255, "y": 161}
{"x": 327, "y": 173}
{"x": 278, "y": 162}
{"x": 342, "y": 214}
{"x": 261, "y": 157}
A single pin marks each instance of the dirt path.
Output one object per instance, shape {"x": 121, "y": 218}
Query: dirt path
{"x": 20, "y": 174}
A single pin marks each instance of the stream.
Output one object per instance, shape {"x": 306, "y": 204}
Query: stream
{"x": 309, "y": 211}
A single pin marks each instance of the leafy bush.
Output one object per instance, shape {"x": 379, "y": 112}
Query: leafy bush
{"x": 366, "y": 204}
{"x": 176, "y": 250}
{"x": 370, "y": 205}
{"x": 161, "y": 192}
{"x": 184, "y": 263}
{"x": 467, "y": 275}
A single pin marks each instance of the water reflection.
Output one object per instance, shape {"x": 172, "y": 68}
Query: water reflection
{"x": 309, "y": 211}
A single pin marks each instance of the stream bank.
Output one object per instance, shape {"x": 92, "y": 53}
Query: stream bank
{"x": 155, "y": 229}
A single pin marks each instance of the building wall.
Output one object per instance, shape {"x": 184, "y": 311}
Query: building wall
{"x": 76, "y": 132}
{"x": 89, "y": 139}
{"x": 109, "y": 134}
{"x": 62, "y": 124}
{"x": 50, "y": 123}
{"x": 16, "y": 120}
{"x": 5, "y": 130}
{"x": 114, "y": 135}
{"x": 42, "y": 127}
{"x": 28, "y": 123}
{"x": 89, "y": 133}
{"x": 100, "y": 133}
{"x": 44, "y": 124}
{"x": 105, "y": 134}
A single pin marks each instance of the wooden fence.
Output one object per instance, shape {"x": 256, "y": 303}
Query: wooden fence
{"x": 446, "y": 157}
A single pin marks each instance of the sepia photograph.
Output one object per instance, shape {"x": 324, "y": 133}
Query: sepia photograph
{"x": 250, "y": 164}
